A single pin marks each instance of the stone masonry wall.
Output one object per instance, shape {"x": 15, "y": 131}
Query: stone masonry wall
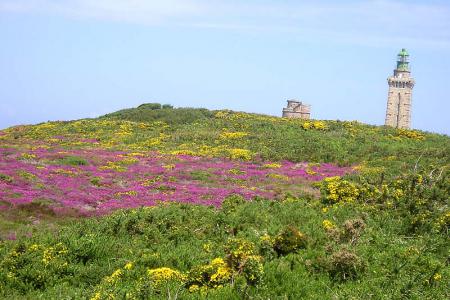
{"x": 398, "y": 110}
{"x": 296, "y": 109}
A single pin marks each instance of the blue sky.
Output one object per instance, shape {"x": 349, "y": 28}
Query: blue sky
{"x": 68, "y": 59}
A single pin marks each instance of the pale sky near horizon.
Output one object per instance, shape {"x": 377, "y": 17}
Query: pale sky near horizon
{"x": 69, "y": 59}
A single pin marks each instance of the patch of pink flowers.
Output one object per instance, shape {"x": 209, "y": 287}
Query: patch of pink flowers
{"x": 108, "y": 180}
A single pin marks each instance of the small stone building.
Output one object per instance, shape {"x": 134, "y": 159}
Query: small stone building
{"x": 296, "y": 109}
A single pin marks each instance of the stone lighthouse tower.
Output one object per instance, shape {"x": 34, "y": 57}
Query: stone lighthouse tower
{"x": 398, "y": 111}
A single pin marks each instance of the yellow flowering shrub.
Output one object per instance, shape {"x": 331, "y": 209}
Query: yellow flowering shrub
{"x": 242, "y": 154}
{"x": 337, "y": 190}
{"x": 437, "y": 277}
{"x": 223, "y": 114}
{"x": 222, "y": 272}
{"x": 237, "y": 250}
{"x": 272, "y": 166}
{"x": 163, "y": 275}
{"x": 169, "y": 166}
{"x": 26, "y": 175}
{"x": 327, "y": 225}
{"x": 319, "y": 125}
{"x": 410, "y": 134}
{"x": 128, "y": 193}
{"x": 309, "y": 171}
{"x": 213, "y": 275}
{"x": 236, "y": 171}
{"x": 51, "y": 253}
{"x": 266, "y": 239}
{"x": 114, "y": 166}
{"x": 183, "y": 152}
{"x": 27, "y": 156}
{"x": 207, "y": 247}
{"x": 278, "y": 176}
{"x": 232, "y": 135}
{"x": 128, "y": 161}
{"x": 110, "y": 286}
{"x": 115, "y": 276}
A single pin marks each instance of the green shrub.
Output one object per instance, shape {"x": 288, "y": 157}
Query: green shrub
{"x": 253, "y": 270}
{"x": 289, "y": 240}
{"x": 151, "y": 106}
{"x": 201, "y": 175}
{"x": 174, "y": 116}
{"x": 352, "y": 230}
{"x": 345, "y": 265}
{"x": 96, "y": 181}
{"x": 6, "y": 178}
{"x": 72, "y": 161}
{"x": 232, "y": 202}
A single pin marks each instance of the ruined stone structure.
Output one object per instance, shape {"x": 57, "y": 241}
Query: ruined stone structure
{"x": 398, "y": 111}
{"x": 296, "y": 109}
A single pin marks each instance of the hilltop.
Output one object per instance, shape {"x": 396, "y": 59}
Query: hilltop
{"x": 156, "y": 201}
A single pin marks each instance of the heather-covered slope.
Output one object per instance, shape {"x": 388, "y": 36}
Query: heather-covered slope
{"x": 154, "y": 202}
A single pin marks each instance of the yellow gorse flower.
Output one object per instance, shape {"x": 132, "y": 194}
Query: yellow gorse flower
{"x": 164, "y": 274}
{"x": 437, "y": 277}
{"x": 319, "y": 125}
{"x": 114, "y": 277}
{"x": 339, "y": 190}
{"x": 243, "y": 154}
{"x": 272, "y": 166}
{"x": 128, "y": 193}
{"x": 327, "y": 225}
{"x": 169, "y": 166}
{"x": 223, "y": 272}
{"x": 411, "y": 134}
{"x": 128, "y": 266}
{"x": 278, "y": 176}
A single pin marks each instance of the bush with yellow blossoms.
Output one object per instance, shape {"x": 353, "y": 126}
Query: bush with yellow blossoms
{"x": 213, "y": 275}
{"x": 237, "y": 250}
{"x": 327, "y": 225}
{"x": 38, "y": 265}
{"x": 318, "y": 125}
{"x": 410, "y": 134}
{"x": 161, "y": 276}
{"x": 240, "y": 154}
{"x": 338, "y": 190}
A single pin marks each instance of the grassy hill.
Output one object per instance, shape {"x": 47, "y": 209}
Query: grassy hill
{"x": 181, "y": 203}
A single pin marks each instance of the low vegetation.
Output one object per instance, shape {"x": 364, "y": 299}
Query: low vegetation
{"x": 159, "y": 202}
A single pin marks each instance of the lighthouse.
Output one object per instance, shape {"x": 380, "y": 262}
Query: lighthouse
{"x": 398, "y": 110}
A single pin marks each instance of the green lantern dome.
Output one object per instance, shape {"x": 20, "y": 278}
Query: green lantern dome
{"x": 402, "y": 61}
{"x": 403, "y": 52}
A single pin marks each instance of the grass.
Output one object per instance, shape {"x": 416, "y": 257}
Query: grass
{"x": 72, "y": 161}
